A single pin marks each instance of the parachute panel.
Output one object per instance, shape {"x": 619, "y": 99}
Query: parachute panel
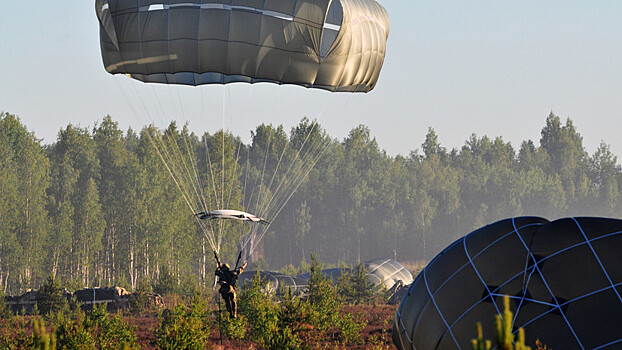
{"x": 563, "y": 279}
{"x": 335, "y": 45}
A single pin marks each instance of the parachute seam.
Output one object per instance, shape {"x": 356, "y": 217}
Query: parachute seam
{"x": 597, "y": 258}
{"x": 551, "y": 293}
{"x": 425, "y": 278}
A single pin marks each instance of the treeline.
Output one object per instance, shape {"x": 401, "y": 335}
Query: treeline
{"x": 98, "y": 207}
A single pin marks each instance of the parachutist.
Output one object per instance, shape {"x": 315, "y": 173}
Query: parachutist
{"x": 227, "y": 279}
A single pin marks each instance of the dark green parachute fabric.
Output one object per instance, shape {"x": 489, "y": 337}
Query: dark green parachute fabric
{"x": 337, "y": 45}
{"x": 564, "y": 280}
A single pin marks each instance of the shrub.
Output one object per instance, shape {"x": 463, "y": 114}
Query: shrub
{"x": 5, "y": 312}
{"x": 293, "y": 313}
{"x": 284, "y": 339}
{"x": 51, "y": 296}
{"x": 233, "y": 328}
{"x": 139, "y": 300}
{"x": 73, "y": 335}
{"x": 41, "y": 340}
{"x": 182, "y": 328}
{"x": 110, "y": 331}
{"x": 354, "y": 287}
{"x": 350, "y": 329}
{"x": 322, "y": 301}
{"x": 256, "y": 305}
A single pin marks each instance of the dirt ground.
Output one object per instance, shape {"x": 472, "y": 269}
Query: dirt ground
{"x": 376, "y": 335}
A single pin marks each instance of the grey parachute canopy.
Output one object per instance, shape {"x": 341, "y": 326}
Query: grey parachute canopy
{"x": 564, "y": 280}
{"x": 337, "y": 45}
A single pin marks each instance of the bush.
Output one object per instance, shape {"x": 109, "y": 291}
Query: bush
{"x": 41, "y": 340}
{"x": 354, "y": 287}
{"x": 182, "y": 328}
{"x": 5, "y": 312}
{"x": 284, "y": 339}
{"x": 350, "y": 329}
{"x": 72, "y": 334}
{"x": 139, "y": 300}
{"x": 322, "y": 300}
{"x": 51, "y": 297}
{"x": 256, "y": 305}
{"x": 233, "y": 328}
{"x": 110, "y": 331}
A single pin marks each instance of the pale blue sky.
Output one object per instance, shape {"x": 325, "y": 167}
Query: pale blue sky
{"x": 461, "y": 67}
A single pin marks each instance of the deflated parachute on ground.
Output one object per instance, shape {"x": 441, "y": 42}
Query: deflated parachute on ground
{"x": 337, "y": 45}
{"x": 387, "y": 272}
{"x": 381, "y": 271}
{"x": 275, "y": 281}
{"x": 564, "y": 279}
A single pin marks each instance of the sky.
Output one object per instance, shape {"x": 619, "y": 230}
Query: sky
{"x": 495, "y": 68}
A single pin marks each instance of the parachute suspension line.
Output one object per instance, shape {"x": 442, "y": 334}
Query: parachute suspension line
{"x": 185, "y": 194}
{"x": 164, "y": 153}
{"x": 198, "y": 186}
{"x": 194, "y": 180}
{"x": 127, "y": 98}
{"x": 258, "y": 185}
{"x": 211, "y": 169}
{"x": 180, "y": 187}
{"x": 286, "y": 178}
{"x": 209, "y": 225}
{"x": 263, "y": 171}
{"x": 276, "y": 170}
{"x": 248, "y": 155}
{"x": 222, "y": 169}
{"x": 153, "y": 142}
{"x": 295, "y": 175}
{"x": 235, "y": 170}
{"x": 304, "y": 175}
{"x": 299, "y": 180}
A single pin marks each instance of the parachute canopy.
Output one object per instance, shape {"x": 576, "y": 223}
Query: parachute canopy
{"x": 231, "y": 214}
{"x": 387, "y": 272}
{"x": 337, "y": 45}
{"x": 564, "y": 280}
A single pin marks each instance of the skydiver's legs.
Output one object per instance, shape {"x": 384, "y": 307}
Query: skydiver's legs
{"x": 229, "y": 305}
{"x": 224, "y": 292}
{"x": 234, "y": 304}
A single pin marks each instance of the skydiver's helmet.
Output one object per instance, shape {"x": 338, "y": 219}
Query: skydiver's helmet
{"x": 225, "y": 266}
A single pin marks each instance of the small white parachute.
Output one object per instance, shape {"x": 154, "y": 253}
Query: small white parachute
{"x": 231, "y": 214}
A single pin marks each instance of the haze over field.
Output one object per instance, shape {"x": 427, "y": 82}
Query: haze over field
{"x": 105, "y": 197}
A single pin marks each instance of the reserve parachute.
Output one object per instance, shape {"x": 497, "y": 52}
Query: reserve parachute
{"x": 336, "y": 45}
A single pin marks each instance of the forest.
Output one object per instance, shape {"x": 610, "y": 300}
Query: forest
{"x": 98, "y": 207}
